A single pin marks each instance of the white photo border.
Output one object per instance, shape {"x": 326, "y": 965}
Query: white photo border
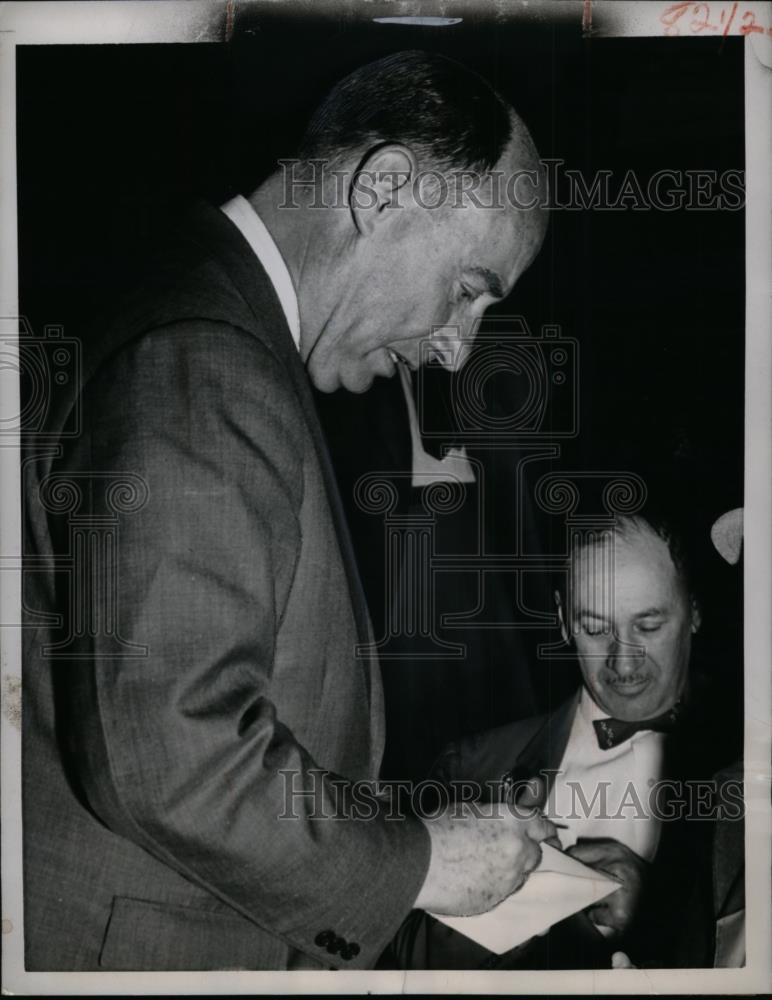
{"x": 128, "y": 22}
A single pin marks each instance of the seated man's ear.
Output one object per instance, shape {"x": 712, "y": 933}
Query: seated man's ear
{"x": 561, "y": 616}
{"x": 696, "y": 616}
{"x": 380, "y": 188}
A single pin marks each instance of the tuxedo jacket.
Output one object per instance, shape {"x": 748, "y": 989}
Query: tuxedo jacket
{"x": 513, "y": 752}
{"x": 523, "y": 750}
{"x": 712, "y": 920}
{"x": 194, "y": 707}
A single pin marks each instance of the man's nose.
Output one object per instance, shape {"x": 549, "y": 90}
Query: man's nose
{"x": 624, "y": 657}
{"x": 449, "y": 348}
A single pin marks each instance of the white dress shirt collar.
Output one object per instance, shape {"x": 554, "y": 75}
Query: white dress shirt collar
{"x": 590, "y": 709}
{"x": 253, "y": 229}
{"x": 607, "y": 779}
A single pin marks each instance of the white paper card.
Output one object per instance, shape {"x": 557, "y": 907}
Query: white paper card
{"x": 559, "y": 887}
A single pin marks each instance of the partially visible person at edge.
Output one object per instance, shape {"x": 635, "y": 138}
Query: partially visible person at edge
{"x": 710, "y": 923}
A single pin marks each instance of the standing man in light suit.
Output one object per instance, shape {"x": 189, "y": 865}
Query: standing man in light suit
{"x": 163, "y": 754}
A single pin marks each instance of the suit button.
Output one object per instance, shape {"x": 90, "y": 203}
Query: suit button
{"x": 335, "y": 945}
{"x": 349, "y": 951}
{"x": 324, "y": 938}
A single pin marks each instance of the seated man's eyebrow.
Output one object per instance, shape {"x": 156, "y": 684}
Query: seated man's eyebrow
{"x": 588, "y": 619}
{"x": 491, "y": 279}
{"x": 593, "y": 615}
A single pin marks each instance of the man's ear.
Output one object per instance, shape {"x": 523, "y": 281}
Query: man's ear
{"x": 382, "y": 181}
{"x": 561, "y": 616}
{"x": 696, "y": 615}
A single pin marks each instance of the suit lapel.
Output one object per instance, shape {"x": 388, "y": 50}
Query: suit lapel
{"x": 544, "y": 752}
{"x": 219, "y": 236}
{"x": 336, "y": 506}
{"x": 346, "y": 546}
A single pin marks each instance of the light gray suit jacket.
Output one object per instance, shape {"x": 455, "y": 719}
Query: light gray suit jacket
{"x": 203, "y": 663}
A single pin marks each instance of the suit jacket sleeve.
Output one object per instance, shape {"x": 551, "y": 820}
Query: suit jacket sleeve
{"x": 182, "y": 750}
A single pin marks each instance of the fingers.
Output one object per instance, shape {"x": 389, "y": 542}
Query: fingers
{"x": 605, "y": 846}
{"x": 617, "y": 910}
{"x": 591, "y": 851}
{"x": 601, "y": 851}
{"x": 531, "y": 855}
{"x": 598, "y": 912}
{"x": 528, "y": 860}
{"x": 540, "y": 828}
{"x": 607, "y": 916}
{"x": 619, "y": 960}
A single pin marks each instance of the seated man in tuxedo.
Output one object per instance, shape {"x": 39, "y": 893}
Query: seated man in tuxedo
{"x": 600, "y": 758}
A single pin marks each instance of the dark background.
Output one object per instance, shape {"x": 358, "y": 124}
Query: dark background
{"x": 114, "y": 140}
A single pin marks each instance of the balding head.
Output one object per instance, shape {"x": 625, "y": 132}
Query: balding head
{"x": 449, "y": 116}
{"x": 631, "y": 617}
{"x": 392, "y": 255}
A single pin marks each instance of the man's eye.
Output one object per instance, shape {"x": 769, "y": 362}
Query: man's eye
{"x": 592, "y": 630}
{"x": 467, "y": 294}
{"x": 650, "y": 627}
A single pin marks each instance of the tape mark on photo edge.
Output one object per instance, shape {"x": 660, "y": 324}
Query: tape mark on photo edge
{"x": 587, "y": 17}
{"x": 11, "y": 699}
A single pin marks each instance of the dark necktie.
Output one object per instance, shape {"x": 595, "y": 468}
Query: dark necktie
{"x": 611, "y": 732}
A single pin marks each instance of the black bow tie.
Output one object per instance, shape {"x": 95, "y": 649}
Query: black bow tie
{"x": 611, "y": 732}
